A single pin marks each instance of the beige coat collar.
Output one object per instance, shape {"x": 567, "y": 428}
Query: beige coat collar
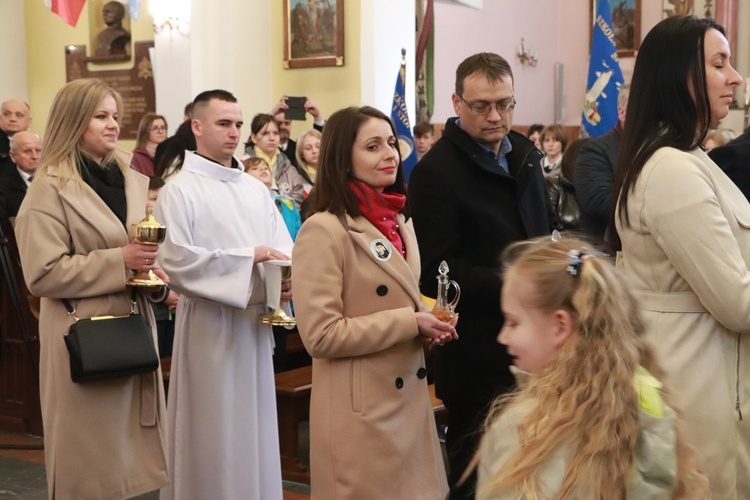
{"x": 405, "y": 272}
{"x": 81, "y": 198}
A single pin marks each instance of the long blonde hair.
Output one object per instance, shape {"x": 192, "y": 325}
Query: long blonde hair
{"x": 69, "y": 117}
{"x": 584, "y": 397}
{"x": 300, "y": 154}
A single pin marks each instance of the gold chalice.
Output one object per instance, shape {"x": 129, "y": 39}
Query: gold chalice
{"x": 150, "y": 232}
{"x": 278, "y": 317}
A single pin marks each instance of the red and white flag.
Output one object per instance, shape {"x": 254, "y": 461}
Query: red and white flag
{"x": 69, "y": 10}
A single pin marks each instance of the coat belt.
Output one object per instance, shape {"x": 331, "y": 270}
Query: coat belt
{"x": 149, "y": 399}
{"x": 678, "y": 302}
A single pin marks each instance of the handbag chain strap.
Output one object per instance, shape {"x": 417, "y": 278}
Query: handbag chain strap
{"x": 72, "y": 311}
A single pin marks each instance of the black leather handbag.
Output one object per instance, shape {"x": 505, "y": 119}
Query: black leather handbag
{"x": 110, "y": 346}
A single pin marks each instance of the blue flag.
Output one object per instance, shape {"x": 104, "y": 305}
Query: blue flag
{"x": 605, "y": 76}
{"x": 400, "y": 119}
{"x": 135, "y": 9}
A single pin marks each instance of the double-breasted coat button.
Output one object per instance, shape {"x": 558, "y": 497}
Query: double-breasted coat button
{"x": 382, "y": 290}
{"x": 422, "y": 373}
{"x": 399, "y": 382}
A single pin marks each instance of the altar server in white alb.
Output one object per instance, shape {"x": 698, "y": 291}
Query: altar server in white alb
{"x": 221, "y": 223}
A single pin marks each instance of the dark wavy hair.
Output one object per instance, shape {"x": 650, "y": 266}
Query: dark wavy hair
{"x": 332, "y": 192}
{"x": 668, "y": 105}
{"x": 175, "y": 150}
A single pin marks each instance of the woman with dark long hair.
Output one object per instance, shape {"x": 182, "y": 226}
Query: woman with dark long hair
{"x": 685, "y": 234}
{"x": 359, "y": 312}
{"x": 264, "y": 143}
{"x": 170, "y": 162}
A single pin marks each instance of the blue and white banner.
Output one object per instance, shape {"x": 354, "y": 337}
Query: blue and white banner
{"x": 605, "y": 76}
{"x": 134, "y": 6}
{"x": 400, "y": 119}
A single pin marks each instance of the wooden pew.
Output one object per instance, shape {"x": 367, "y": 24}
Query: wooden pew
{"x": 293, "y": 389}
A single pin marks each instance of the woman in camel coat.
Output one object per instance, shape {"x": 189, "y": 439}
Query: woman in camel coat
{"x": 356, "y": 266}
{"x": 685, "y": 233}
{"x": 103, "y": 439}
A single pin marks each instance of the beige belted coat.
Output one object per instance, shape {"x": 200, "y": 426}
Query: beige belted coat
{"x": 102, "y": 439}
{"x": 687, "y": 252}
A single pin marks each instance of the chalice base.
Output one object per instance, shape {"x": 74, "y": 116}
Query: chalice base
{"x": 277, "y": 318}
{"x": 146, "y": 280}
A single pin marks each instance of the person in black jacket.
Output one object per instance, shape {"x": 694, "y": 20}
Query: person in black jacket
{"x": 595, "y": 176}
{"x": 477, "y": 190}
{"x": 734, "y": 159}
{"x": 25, "y": 151}
{"x": 15, "y": 116}
{"x": 286, "y": 144}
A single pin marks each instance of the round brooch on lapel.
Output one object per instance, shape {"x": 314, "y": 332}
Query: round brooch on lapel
{"x": 381, "y": 249}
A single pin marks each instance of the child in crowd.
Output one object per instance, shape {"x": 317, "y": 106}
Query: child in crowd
{"x": 424, "y": 138}
{"x": 589, "y": 420}
{"x": 164, "y": 309}
{"x": 534, "y": 132}
{"x": 258, "y": 168}
{"x": 554, "y": 141}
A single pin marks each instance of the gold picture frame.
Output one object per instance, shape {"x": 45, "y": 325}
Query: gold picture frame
{"x": 313, "y": 33}
{"x": 626, "y": 20}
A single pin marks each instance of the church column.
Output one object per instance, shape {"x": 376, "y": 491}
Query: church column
{"x": 387, "y": 26}
{"x": 225, "y": 46}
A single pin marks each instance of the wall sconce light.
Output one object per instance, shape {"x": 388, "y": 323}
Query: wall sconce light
{"x": 172, "y": 14}
{"x": 526, "y": 57}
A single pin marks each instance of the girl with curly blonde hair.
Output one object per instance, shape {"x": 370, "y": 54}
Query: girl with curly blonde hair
{"x": 590, "y": 419}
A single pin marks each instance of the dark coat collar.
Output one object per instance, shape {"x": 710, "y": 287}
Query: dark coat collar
{"x": 520, "y": 156}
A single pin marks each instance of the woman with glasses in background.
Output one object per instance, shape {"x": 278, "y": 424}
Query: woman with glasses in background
{"x": 151, "y": 132}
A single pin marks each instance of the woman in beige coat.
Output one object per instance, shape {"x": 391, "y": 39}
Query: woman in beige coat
{"x": 685, "y": 233}
{"x": 102, "y": 439}
{"x": 356, "y": 266}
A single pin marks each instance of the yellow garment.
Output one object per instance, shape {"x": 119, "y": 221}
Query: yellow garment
{"x": 428, "y": 300}
{"x": 310, "y": 171}
{"x": 271, "y": 160}
{"x": 287, "y": 202}
{"x": 649, "y": 396}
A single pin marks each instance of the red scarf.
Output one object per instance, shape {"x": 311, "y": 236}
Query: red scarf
{"x": 381, "y": 210}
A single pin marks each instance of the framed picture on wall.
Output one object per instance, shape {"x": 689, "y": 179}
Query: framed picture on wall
{"x": 313, "y": 33}
{"x": 725, "y": 13}
{"x": 700, "y": 8}
{"x": 626, "y": 20}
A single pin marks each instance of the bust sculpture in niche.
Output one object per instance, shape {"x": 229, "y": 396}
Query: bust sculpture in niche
{"x": 114, "y": 39}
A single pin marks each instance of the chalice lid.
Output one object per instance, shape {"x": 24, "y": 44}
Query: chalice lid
{"x": 149, "y": 221}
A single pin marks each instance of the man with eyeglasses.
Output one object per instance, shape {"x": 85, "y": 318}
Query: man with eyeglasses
{"x": 477, "y": 190}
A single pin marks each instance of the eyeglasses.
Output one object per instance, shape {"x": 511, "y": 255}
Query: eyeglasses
{"x": 159, "y": 128}
{"x": 483, "y": 108}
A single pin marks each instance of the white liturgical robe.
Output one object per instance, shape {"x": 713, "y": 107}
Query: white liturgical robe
{"x": 222, "y": 433}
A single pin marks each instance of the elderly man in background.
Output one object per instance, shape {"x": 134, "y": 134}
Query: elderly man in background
{"x": 15, "y": 116}
{"x": 25, "y": 151}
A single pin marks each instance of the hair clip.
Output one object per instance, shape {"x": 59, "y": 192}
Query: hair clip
{"x": 575, "y": 259}
{"x": 556, "y": 235}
